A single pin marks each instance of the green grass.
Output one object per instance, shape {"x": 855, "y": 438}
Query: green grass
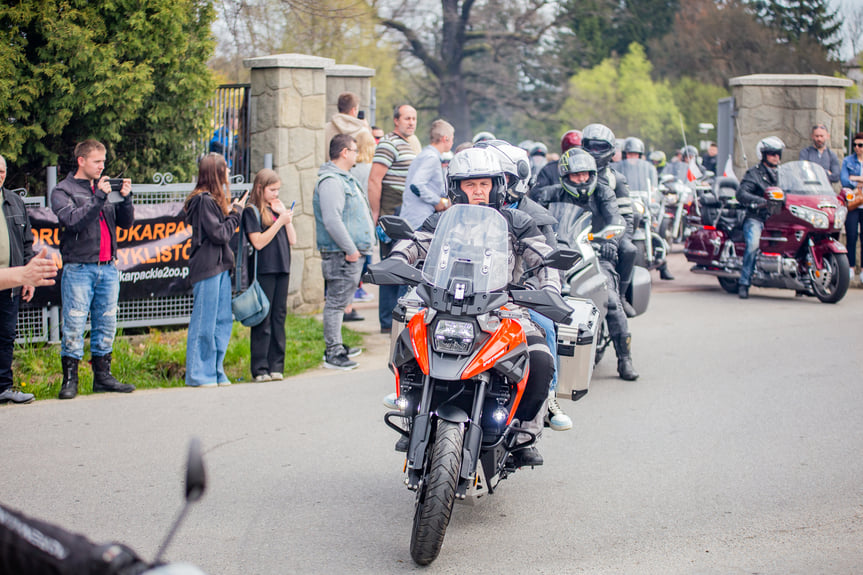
{"x": 158, "y": 358}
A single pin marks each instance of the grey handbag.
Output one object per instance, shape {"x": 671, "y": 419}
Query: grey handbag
{"x": 250, "y": 307}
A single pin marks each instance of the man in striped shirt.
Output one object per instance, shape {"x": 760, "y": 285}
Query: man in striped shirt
{"x": 393, "y": 157}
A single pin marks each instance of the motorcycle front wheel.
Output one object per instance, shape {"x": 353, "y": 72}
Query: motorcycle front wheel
{"x": 834, "y": 278}
{"x": 728, "y": 284}
{"x": 436, "y": 495}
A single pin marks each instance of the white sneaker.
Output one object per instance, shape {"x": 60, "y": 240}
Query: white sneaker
{"x": 390, "y": 401}
{"x": 276, "y": 376}
{"x": 557, "y": 419}
{"x": 263, "y": 377}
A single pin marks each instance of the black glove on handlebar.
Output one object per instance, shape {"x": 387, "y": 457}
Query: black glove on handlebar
{"x": 608, "y": 251}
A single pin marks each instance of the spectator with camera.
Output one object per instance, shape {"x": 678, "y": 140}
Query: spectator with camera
{"x": 90, "y": 284}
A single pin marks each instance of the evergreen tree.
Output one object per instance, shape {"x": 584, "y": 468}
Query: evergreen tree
{"x": 796, "y": 19}
{"x": 130, "y": 73}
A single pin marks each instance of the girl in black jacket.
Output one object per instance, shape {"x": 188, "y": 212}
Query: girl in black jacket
{"x": 213, "y": 221}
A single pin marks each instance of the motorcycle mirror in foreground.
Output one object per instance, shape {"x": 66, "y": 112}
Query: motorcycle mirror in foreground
{"x": 397, "y": 228}
{"x": 196, "y": 483}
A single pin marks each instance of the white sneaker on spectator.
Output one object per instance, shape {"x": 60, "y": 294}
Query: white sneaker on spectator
{"x": 390, "y": 401}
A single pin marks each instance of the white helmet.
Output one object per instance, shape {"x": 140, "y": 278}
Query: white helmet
{"x": 482, "y": 137}
{"x": 515, "y": 164}
{"x": 771, "y": 144}
{"x": 472, "y": 164}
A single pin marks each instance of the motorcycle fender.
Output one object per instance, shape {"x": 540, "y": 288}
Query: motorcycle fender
{"x": 451, "y": 413}
{"x": 828, "y": 245}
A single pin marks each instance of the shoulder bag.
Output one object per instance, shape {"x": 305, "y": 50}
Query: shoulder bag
{"x": 250, "y": 307}
{"x": 854, "y": 198}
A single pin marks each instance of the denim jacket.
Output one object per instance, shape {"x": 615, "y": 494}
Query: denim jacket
{"x": 342, "y": 228}
{"x": 850, "y": 167}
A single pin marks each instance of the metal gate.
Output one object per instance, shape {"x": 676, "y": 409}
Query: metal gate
{"x": 231, "y": 127}
{"x": 40, "y": 324}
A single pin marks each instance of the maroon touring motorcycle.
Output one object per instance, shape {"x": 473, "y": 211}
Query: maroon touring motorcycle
{"x": 800, "y": 247}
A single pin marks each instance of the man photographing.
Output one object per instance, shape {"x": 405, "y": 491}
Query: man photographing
{"x": 90, "y": 283}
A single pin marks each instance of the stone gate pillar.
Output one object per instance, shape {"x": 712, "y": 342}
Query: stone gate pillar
{"x": 786, "y": 105}
{"x": 288, "y": 113}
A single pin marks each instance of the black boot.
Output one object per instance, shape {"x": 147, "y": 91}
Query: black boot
{"x": 69, "y": 387}
{"x": 623, "y": 347}
{"x": 102, "y": 378}
{"x": 664, "y": 274}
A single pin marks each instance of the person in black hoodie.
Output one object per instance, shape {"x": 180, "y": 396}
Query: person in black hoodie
{"x": 90, "y": 283}
{"x": 213, "y": 220}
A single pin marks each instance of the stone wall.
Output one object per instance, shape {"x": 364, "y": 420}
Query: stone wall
{"x": 345, "y": 78}
{"x": 787, "y": 106}
{"x": 292, "y": 98}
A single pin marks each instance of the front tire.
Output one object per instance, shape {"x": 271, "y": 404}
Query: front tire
{"x": 436, "y": 495}
{"x": 834, "y": 279}
{"x": 728, "y": 284}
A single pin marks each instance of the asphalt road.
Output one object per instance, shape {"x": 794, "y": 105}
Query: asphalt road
{"x": 739, "y": 450}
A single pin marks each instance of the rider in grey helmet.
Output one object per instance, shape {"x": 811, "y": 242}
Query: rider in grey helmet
{"x": 581, "y": 185}
{"x": 476, "y": 177}
{"x": 515, "y": 164}
{"x": 599, "y": 140}
{"x": 750, "y": 194}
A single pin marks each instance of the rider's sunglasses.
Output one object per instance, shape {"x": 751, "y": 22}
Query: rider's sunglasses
{"x": 858, "y": 144}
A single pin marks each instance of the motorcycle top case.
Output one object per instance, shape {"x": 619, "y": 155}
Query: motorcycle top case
{"x": 576, "y": 348}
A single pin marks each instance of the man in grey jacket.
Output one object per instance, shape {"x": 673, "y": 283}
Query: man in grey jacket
{"x": 822, "y": 155}
{"x": 344, "y": 233}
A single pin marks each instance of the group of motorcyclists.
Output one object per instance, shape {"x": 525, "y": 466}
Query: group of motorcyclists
{"x": 497, "y": 174}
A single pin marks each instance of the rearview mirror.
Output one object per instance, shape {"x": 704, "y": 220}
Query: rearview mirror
{"x": 397, "y": 228}
{"x": 562, "y": 258}
{"x": 196, "y": 475}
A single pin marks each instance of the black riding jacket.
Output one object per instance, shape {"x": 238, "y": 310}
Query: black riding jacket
{"x": 750, "y": 192}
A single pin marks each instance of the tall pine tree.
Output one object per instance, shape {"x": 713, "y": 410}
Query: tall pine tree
{"x": 795, "y": 20}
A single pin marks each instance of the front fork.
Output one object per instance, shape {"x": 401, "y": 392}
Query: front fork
{"x": 421, "y": 428}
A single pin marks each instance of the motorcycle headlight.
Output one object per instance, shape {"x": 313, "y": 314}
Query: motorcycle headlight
{"x": 453, "y": 336}
{"x": 839, "y": 217}
{"x": 816, "y": 218}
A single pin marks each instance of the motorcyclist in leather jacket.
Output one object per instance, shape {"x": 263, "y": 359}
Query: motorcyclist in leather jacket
{"x": 598, "y": 140}
{"x": 580, "y": 185}
{"x": 750, "y": 194}
{"x": 515, "y": 164}
{"x": 474, "y": 176}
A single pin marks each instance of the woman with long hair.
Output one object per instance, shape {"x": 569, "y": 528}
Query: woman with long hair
{"x": 267, "y": 225}
{"x": 213, "y": 220}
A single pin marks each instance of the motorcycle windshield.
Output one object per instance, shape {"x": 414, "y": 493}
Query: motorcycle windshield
{"x": 640, "y": 174}
{"x": 469, "y": 243}
{"x": 572, "y": 220}
{"x": 804, "y": 179}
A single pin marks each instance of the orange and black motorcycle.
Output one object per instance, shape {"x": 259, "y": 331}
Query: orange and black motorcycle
{"x": 461, "y": 362}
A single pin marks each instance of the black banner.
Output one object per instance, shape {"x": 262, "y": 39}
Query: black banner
{"x": 152, "y": 255}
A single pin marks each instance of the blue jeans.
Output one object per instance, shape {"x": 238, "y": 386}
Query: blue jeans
{"x": 209, "y": 331}
{"x": 93, "y": 289}
{"x": 550, "y": 339}
{"x": 388, "y": 296}
{"x": 342, "y": 278}
{"x": 752, "y": 236}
